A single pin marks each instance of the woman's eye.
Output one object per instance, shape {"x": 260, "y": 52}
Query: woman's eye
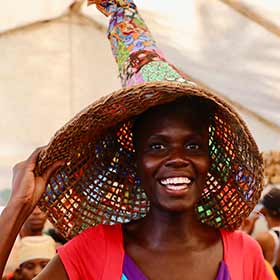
{"x": 192, "y": 146}
{"x": 28, "y": 266}
{"x": 157, "y": 146}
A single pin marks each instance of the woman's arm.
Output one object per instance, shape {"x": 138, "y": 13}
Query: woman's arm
{"x": 26, "y": 192}
{"x": 54, "y": 271}
{"x": 266, "y": 242}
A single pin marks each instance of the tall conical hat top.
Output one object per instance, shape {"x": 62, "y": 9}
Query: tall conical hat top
{"x": 138, "y": 58}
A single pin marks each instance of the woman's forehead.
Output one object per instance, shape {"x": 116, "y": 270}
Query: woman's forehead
{"x": 182, "y": 107}
{"x": 168, "y": 116}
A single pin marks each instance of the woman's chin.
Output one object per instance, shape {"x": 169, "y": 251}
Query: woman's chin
{"x": 177, "y": 207}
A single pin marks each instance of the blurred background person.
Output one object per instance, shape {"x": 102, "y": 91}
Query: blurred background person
{"x": 34, "y": 254}
{"x": 33, "y": 226}
{"x": 270, "y": 239}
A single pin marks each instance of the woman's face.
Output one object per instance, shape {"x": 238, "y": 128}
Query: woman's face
{"x": 172, "y": 159}
{"x": 32, "y": 268}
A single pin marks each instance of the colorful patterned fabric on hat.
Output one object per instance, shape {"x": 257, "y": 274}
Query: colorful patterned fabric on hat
{"x": 99, "y": 184}
{"x": 137, "y": 55}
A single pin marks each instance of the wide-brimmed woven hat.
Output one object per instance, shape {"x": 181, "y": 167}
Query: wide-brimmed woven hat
{"x": 99, "y": 184}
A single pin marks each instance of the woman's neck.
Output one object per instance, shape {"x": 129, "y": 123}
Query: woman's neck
{"x": 163, "y": 230}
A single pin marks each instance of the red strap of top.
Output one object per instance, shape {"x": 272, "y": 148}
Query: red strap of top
{"x": 95, "y": 254}
{"x": 115, "y": 253}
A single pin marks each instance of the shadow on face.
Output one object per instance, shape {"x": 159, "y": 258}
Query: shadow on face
{"x": 171, "y": 143}
{"x": 35, "y": 223}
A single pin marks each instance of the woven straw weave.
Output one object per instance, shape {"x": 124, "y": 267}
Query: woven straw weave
{"x": 99, "y": 183}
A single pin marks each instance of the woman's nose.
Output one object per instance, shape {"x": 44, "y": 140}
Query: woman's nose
{"x": 36, "y": 211}
{"x": 37, "y": 270}
{"x": 177, "y": 159}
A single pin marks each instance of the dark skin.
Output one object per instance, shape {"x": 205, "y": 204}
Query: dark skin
{"x": 32, "y": 268}
{"x": 265, "y": 240}
{"x": 26, "y": 192}
{"x": 34, "y": 224}
{"x": 169, "y": 145}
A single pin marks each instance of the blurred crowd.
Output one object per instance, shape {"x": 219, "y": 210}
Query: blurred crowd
{"x": 35, "y": 245}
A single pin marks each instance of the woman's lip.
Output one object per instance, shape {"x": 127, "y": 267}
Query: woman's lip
{"x": 179, "y": 192}
{"x": 36, "y": 221}
{"x": 176, "y": 189}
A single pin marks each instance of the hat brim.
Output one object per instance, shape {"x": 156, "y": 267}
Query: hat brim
{"x": 99, "y": 184}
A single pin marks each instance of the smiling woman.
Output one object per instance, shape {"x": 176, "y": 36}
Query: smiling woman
{"x": 171, "y": 143}
{"x": 150, "y": 182}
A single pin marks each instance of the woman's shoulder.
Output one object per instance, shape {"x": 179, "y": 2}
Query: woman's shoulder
{"x": 241, "y": 246}
{"x": 239, "y": 239}
{"x": 243, "y": 256}
{"x": 99, "y": 230}
{"x": 89, "y": 252}
{"x": 95, "y": 237}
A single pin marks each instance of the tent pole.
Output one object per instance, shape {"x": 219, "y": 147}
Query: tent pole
{"x": 253, "y": 15}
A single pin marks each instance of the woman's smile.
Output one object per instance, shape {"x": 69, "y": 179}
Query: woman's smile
{"x": 176, "y": 185}
{"x": 172, "y": 158}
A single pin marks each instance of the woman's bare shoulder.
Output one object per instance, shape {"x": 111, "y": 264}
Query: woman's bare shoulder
{"x": 54, "y": 270}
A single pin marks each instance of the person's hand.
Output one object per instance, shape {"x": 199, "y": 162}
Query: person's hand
{"x": 26, "y": 188}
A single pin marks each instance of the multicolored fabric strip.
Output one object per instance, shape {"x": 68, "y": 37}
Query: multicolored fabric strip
{"x": 137, "y": 55}
{"x": 108, "y": 7}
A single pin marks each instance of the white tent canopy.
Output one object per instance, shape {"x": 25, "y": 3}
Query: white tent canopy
{"x": 55, "y": 61}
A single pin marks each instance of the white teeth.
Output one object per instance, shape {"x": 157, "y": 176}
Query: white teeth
{"x": 175, "y": 188}
{"x": 175, "y": 181}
